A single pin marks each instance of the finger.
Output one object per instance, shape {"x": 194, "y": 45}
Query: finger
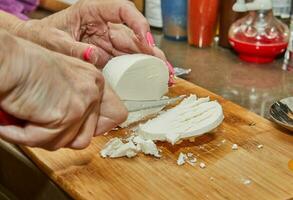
{"x": 103, "y": 51}
{"x": 62, "y": 139}
{"x": 88, "y": 52}
{"x": 105, "y": 125}
{"x": 30, "y": 135}
{"x": 125, "y": 12}
{"x": 124, "y": 40}
{"x": 112, "y": 111}
{"x": 83, "y": 139}
{"x": 159, "y": 53}
{"x": 70, "y": 47}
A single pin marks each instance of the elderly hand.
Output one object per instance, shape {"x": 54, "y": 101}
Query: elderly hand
{"x": 97, "y": 25}
{"x": 64, "y": 101}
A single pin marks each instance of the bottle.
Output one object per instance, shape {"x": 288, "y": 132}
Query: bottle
{"x": 202, "y": 22}
{"x": 174, "y": 19}
{"x": 282, "y": 9}
{"x": 153, "y": 13}
{"x": 227, "y": 17}
{"x": 258, "y": 37}
{"x": 288, "y": 58}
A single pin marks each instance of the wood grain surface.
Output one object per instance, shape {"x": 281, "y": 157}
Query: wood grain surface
{"x": 85, "y": 175}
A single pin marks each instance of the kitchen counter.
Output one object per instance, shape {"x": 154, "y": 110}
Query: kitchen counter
{"x": 253, "y": 86}
{"x": 219, "y": 70}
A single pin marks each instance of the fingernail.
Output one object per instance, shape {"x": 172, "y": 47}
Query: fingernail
{"x": 171, "y": 81}
{"x": 150, "y": 39}
{"x": 87, "y": 54}
{"x": 90, "y": 56}
{"x": 171, "y": 73}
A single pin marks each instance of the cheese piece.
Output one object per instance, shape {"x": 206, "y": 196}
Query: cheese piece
{"x": 148, "y": 147}
{"x": 260, "y": 146}
{"x": 181, "y": 158}
{"x": 192, "y": 117}
{"x": 234, "y": 147}
{"x": 137, "y": 77}
{"x": 115, "y": 148}
{"x": 202, "y": 165}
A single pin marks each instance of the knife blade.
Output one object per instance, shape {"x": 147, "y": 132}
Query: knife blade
{"x": 131, "y": 105}
{"x": 136, "y": 105}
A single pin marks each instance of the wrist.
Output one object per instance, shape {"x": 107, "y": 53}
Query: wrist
{"x": 9, "y": 22}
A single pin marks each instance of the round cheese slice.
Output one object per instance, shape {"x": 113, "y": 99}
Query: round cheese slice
{"x": 137, "y": 77}
{"x": 192, "y": 117}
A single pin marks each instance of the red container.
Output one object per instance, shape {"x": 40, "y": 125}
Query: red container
{"x": 202, "y": 21}
{"x": 259, "y": 37}
{"x": 257, "y": 53}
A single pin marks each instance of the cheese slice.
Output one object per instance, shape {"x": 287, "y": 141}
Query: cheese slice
{"x": 192, "y": 117}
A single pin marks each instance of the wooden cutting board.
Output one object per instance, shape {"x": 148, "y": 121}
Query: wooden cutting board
{"x": 85, "y": 175}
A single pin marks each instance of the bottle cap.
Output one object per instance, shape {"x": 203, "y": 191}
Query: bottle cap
{"x": 241, "y": 6}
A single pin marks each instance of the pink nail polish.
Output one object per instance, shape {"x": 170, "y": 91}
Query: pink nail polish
{"x": 87, "y": 54}
{"x": 150, "y": 39}
{"x": 171, "y": 68}
{"x": 171, "y": 81}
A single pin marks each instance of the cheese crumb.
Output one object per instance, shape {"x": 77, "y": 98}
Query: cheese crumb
{"x": 260, "y": 146}
{"x": 191, "y": 163}
{"x": 223, "y": 141}
{"x": 181, "y": 159}
{"x": 246, "y": 181}
{"x": 202, "y": 165}
{"x": 193, "y": 160}
{"x": 189, "y": 154}
{"x": 234, "y": 146}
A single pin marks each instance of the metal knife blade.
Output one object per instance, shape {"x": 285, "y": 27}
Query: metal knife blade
{"x": 136, "y": 105}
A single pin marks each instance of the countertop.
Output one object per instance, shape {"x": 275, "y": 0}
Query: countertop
{"x": 253, "y": 86}
{"x": 219, "y": 70}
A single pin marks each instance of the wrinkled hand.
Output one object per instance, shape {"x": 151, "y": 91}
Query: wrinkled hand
{"x": 64, "y": 101}
{"x": 97, "y": 24}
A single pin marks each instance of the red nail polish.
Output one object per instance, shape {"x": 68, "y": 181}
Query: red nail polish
{"x": 150, "y": 39}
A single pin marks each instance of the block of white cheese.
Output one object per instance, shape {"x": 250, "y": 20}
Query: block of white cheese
{"x": 192, "y": 117}
{"x": 137, "y": 77}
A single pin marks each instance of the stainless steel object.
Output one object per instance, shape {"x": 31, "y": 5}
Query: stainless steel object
{"x": 180, "y": 72}
{"x": 281, "y": 112}
{"x": 136, "y": 105}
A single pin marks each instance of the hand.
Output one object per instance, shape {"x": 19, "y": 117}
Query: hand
{"x": 96, "y": 24}
{"x": 63, "y": 100}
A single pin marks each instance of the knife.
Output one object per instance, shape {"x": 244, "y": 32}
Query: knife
{"x": 131, "y": 105}
{"x": 7, "y": 119}
{"x": 136, "y": 105}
